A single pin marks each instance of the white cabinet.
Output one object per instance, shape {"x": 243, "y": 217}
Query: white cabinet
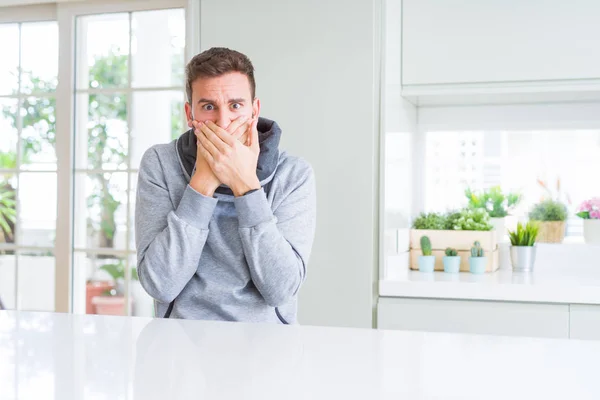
{"x": 456, "y": 42}
{"x": 478, "y": 317}
{"x": 585, "y": 322}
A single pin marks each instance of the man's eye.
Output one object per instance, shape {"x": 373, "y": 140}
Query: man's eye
{"x": 208, "y": 107}
{"x": 236, "y": 106}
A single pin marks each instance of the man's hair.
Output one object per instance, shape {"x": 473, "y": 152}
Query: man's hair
{"x": 215, "y": 62}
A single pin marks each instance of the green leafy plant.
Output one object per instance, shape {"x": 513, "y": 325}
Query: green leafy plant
{"x": 524, "y": 235}
{"x": 8, "y": 212}
{"x": 477, "y": 250}
{"x": 472, "y": 220}
{"x": 450, "y": 252}
{"x": 426, "y": 246}
{"x": 549, "y": 210}
{"x": 494, "y": 201}
{"x": 117, "y": 273}
{"x": 434, "y": 221}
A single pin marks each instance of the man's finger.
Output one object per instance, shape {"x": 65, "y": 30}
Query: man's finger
{"x": 236, "y": 124}
{"x": 254, "y": 135}
{"x": 208, "y": 133}
{"x": 207, "y": 144}
{"x": 206, "y": 154}
{"x": 220, "y": 133}
{"x": 242, "y": 129}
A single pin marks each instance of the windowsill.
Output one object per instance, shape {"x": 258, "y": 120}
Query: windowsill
{"x": 566, "y": 273}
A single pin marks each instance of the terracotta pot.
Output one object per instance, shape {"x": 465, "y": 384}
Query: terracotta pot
{"x": 109, "y": 305}
{"x": 552, "y": 232}
{"x": 93, "y": 289}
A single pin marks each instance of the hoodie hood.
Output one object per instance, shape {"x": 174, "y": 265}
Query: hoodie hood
{"x": 269, "y": 135}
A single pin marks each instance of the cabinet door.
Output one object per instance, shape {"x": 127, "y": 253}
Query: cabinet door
{"x": 478, "y": 317}
{"x": 585, "y": 322}
{"x": 456, "y": 42}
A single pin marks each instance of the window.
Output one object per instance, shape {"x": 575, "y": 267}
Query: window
{"x": 28, "y": 166}
{"x": 129, "y": 95}
{"x": 567, "y": 161}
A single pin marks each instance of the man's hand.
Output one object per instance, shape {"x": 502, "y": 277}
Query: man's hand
{"x": 232, "y": 162}
{"x": 204, "y": 179}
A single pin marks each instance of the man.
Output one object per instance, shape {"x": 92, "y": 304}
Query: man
{"x": 224, "y": 220}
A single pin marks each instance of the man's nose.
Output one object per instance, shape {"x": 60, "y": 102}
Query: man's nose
{"x": 223, "y": 119}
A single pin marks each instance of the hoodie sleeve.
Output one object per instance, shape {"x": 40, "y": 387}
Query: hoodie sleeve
{"x": 169, "y": 240}
{"x": 277, "y": 244}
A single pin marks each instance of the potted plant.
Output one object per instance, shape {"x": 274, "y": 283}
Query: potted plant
{"x": 478, "y": 260}
{"x": 112, "y": 301}
{"x": 456, "y": 229}
{"x": 451, "y": 261}
{"x": 551, "y": 216}
{"x": 523, "y": 249}
{"x": 496, "y": 203}
{"x": 8, "y": 213}
{"x": 589, "y": 211}
{"x": 427, "y": 259}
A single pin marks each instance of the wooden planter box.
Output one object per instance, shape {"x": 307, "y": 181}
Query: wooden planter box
{"x": 459, "y": 240}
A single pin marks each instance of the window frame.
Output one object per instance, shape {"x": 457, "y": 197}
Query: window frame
{"x": 66, "y": 14}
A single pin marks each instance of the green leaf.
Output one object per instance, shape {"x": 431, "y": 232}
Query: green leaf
{"x": 583, "y": 214}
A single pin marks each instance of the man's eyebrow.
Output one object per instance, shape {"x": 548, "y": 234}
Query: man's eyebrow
{"x": 238, "y": 100}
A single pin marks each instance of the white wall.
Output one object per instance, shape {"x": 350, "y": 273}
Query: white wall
{"x": 455, "y": 41}
{"x": 316, "y": 76}
{"x": 400, "y": 126}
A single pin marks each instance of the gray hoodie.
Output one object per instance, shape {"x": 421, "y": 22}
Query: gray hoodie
{"x": 221, "y": 257}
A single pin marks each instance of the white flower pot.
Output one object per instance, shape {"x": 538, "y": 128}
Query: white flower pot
{"x": 591, "y": 231}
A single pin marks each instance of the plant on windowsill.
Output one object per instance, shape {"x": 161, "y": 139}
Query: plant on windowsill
{"x": 523, "y": 248}
{"x": 112, "y": 301}
{"x": 456, "y": 229}
{"x": 8, "y": 204}
{"x": 427, "y": 259}
{"x": 478, "y": 260}
{"x": 496, "y": 203}
{"x": 551, "y": 216}
{"x": 589, "y": 211}
{"x": 451, "y": 261}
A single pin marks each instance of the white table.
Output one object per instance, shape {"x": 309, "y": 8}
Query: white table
{"x": 60, "y": 356}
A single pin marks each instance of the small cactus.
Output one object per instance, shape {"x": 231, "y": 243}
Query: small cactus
{"x": 450, "y": 252}
{"x": 477, "y": 250}
{"x": 426, "y": 246}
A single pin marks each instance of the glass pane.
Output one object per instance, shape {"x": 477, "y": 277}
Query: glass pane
{"x": 8, "y": 137}
{"x": 100, "y": 206}
{"x": 157, "y": 117}
{"x": 39, "y": 133}
{"x": 565, "y": 161}
{"x": 7, "y": 279}
{"x": 103, "y": 278}
{"x": 103, "y": 51}
{"x": 36, "y": 281}
{"x": 9, "y": 62}
{"x": 101, "y": 132}
{"x": 8, "y": 207}
{"x": 37, "y": 218}
{"x": 142, "y": 305}
{"x": 132, "y": 199}
{"x": 158, "y": 32}
{"x": 39, "y": 57}
{"x": 8, "y": 354}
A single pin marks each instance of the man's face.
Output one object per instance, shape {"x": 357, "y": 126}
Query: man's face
{"x": 222, "y": 100}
